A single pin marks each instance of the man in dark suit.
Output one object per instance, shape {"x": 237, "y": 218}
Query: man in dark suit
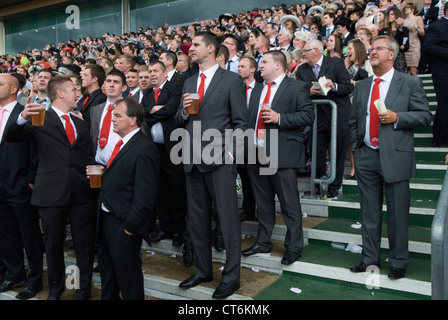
{"x": 430, "y": 14}
{"x": 161, "y": 104}
{"x": 19, "y": 221}
{"x": 383, "y": 148}
{"x": 222, "y": 107}
{"x": 338, "y": 79}
{"x": 289, "y": 109}
{"x": 169, "y": 59}
{"x": 344, "y": 24}
{"x": 128, "y": 194}
{"x": 435, "y": 45}
{"x": 92, "y": 77}
{"x": 62, "y": 191}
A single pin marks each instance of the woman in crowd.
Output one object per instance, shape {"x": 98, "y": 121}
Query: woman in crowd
{"x": 358, "y": 66}
{"x": 365, "y": 36}
{"x": 416, "y": 28}
{"x": 394, "y": 28}
{"x": 334, "y": 47}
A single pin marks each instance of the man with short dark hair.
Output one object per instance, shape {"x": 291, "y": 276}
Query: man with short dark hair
{"x": 222, "y": 107}
{"x": 169, "y": 59}
{"x": 92, "y": 78}
{"x": 62, "y": 191}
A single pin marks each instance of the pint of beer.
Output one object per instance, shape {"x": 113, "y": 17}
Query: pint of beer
{"x": 95, "y": 172}
{"x": 38, "y": 119}
{"x": 194, "y": 107}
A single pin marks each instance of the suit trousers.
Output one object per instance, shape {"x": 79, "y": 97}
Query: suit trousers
{"x": 120, "y": 262}
{"x": 440, "y": 127}
{"x": 82, "y": 219}
{"x": 19, "y": 231}
{"x": 371, "y": 185}
{"x": 171, "y": 205}
{"x": 218, "y": 185}
{"x": 265, "y": 187}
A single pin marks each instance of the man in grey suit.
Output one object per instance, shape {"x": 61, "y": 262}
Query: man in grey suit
{"x": 290, "y": 109}
{"x": 223, "y": 107}
{"x": 383, "y": 148}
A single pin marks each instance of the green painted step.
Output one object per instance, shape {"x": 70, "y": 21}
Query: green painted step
{"x": 344, "y": 226}
{"x": 317, "y": 288}
{"x": 432, "y": 155}
{"x": 417, "y": 194}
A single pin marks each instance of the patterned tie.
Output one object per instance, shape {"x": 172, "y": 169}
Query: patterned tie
{"x": 201, "y": 87}
{"x": 104, "y": 135}
{"x": 316, "y": 70}
{"x": 85, "y": 103}
{"x": 260, "y": 123}
{"x": 115, "y": 152}
{"x": 374, "y": 119}
{"x": 156, "y": 94}
{"x": 69, "y": 129}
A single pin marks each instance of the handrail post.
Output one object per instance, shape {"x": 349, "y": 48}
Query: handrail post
{"x": 324, "y": 182}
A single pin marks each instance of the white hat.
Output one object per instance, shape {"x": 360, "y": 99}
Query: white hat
{"x": 315, "y": 8}
{"x": 292, "y": 18}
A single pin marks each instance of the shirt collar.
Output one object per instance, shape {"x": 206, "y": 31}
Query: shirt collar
{"x": 387, "y": 76}
{"x": 210, "y": 71}
{"x": 8, "y": 107}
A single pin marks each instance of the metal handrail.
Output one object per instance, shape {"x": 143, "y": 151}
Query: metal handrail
{"x": 439, "y": 246}
{"x": 324, "y": 182}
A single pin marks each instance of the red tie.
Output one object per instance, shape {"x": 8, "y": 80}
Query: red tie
{"x": 104, "y": 135}
{"x": 69, "y": 129}
{"x": 374, "y": 119}
{"x": 85, "y": 103}
{"x": 201, "y": 87}
{"x": 115, "y": 152}
{"x": 130, "y": 94}
{"x": 247, "y": 89}
{"x": 260, "y": 123}
{"x": 156, "y": 94}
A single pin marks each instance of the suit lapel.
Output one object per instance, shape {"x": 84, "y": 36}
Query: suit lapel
{"x": 211, "y": 87}
{"x": 128, "y": 146}
{"x": 283, "y": 85}
{"x": 324, "y": 66}
{"x": 52, "y": 116}
{"x": 394, "y": 88}
{"x": 254, "y": 103}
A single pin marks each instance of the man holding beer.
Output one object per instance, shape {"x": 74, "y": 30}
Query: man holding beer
{"x": 62, "y": 191}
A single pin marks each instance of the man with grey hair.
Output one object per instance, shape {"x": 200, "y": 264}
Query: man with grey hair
{"x": 338, "y": 80}
{"x": 382, "y": 141}
{"x": 284, "y": 38}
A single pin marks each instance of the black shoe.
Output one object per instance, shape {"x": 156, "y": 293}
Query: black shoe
{"x": 82, "y": 294}
{"x": 225, "y": 290}
{"x": 160, "y": 236}
{"x": 332, "y": 194}
{"x": 290, "y": 257}
{"x": 254, "y": 250}
{"x": 8, "y": 285}
{"x": 361, "y": 267}
{"x": 178, "y": 239}
{"x": 396, "y": 273}
{"x": 187, "y": 255}
{"x": 219, "y": 242}
{"x": 52, "y": 298}
{"x": 193, "y": 281}
{"x": 28, "y": 293}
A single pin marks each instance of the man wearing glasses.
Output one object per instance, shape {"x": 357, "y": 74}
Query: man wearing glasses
{"x": 383, "y": 147}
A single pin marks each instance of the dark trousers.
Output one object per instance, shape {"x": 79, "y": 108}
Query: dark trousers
{"x": 283, "y": 184}
{"x": 202, "y": 188}
{"x": 171, "y": 205}
{"x": 82, "y": 219}
{"x": 120, "y": 262}
{"x": 248, "y": 194}
{"x": 440, "y": 127}
{"x": 19, "y": 231}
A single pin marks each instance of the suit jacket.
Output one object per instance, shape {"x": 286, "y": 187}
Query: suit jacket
{"x": 178, "y": 78}
{"x": 129, "y": 185}
{"x": 333, "y": 69}
{"x": 96, "y": 97}
{"x": 18, "y": 165}
{"x": 223, "y": 107}
{"x": 95, "y": 121}
{"x": 436, "y": 47}
{"x": 292, "y": 101}
{"x": 170, "y": 97}
{"x": 22, "y": 98}
{"x": 407, "y": 98}
{"x": 347, "y": 39}
{"x": 61, "y": 174}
